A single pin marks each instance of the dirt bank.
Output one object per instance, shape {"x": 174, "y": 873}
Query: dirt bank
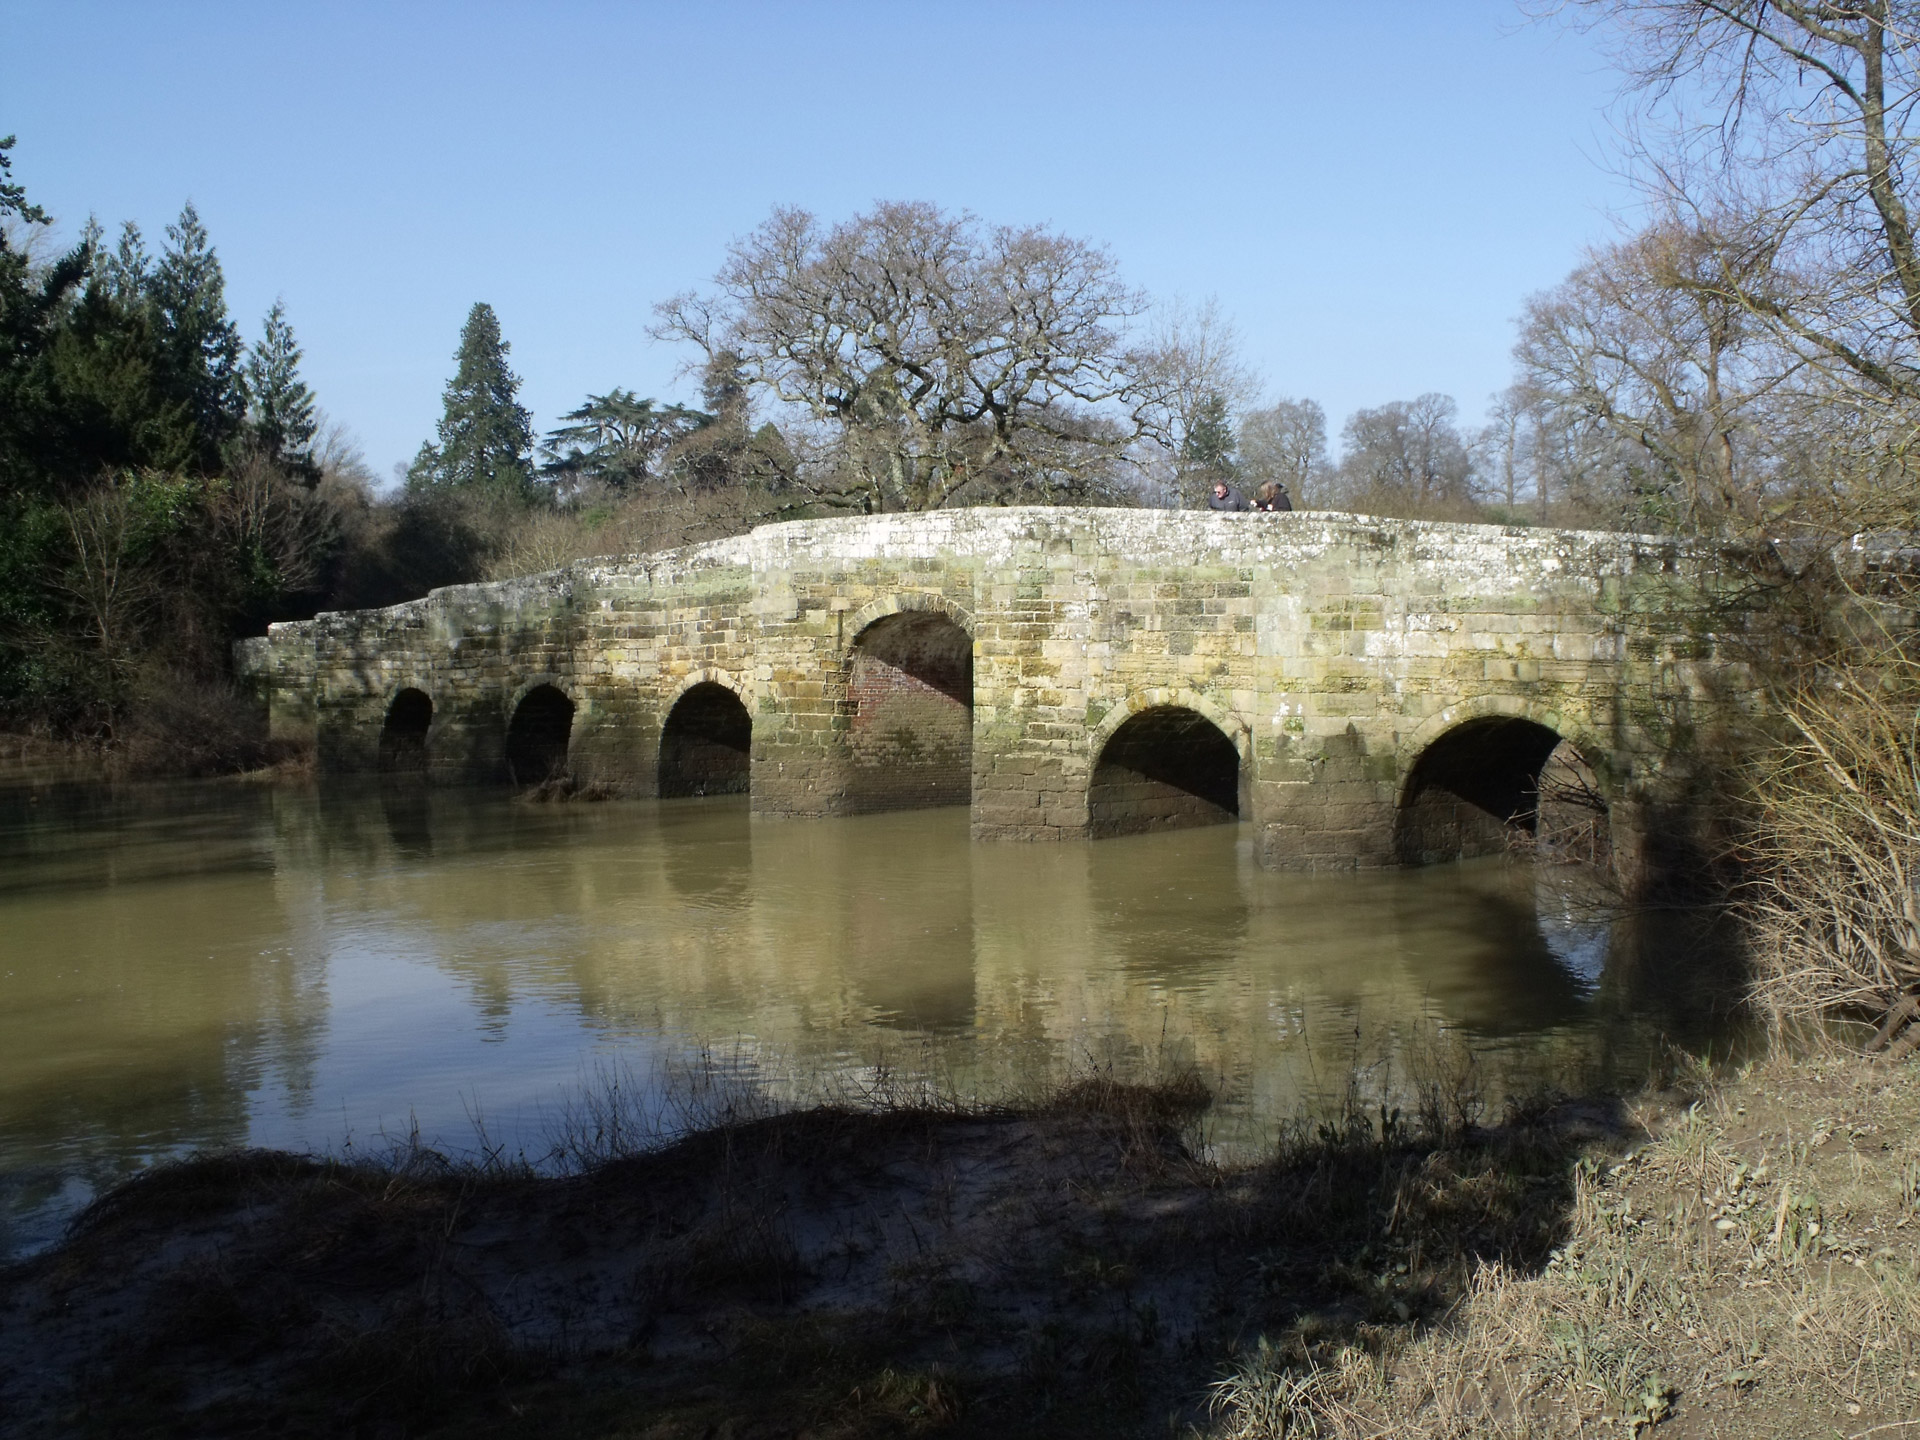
{"x": 1068, "y": 1269}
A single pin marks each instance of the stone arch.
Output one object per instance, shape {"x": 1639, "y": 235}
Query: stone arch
{"x": 706, "y": 740}
{"x": 711, "y": 675}
{"x": 1499, "y": 773}
{"x": 1167, "y": 760}
{"x": 1224, "y": 720}
{"x": 403, "y": 731}
{"x": 1519, "y": 707}
{"x": 545, "y": 679}
{"x": 539, "y": 731}
{"x": 910, "y": 701}
{"x": 925, "y": 601}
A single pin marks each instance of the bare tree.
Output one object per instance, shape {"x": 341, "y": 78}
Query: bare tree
{"x": 1499, "y": 450}
{"x": 1286, "y": 443}
{"x": 1408, "y": 457}
{"x": 1647, "y": 353}
{"x": 281, "y": 533}
{"x": 108, "y": 573}
{"x": 1784, "y": 132}
{"x": 930, "y": 360}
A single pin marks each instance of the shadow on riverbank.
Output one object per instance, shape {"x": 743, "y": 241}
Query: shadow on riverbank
{"x": 1065, "y": 1268}
{"x": 1726, "y": 1259}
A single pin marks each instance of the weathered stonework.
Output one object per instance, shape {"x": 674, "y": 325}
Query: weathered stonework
{"x": 1330, "y": 650}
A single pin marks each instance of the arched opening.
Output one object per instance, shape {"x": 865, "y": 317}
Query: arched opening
{"x": 706, "y": 744}
{"x": 403, "y": 738}
{"x": 910, "y": 745}
{"x": 1166, "y": 768}
{"x": 537, "y": 736}
{"x": 1495, "y": 784}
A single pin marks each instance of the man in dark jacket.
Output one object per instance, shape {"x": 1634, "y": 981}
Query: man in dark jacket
{"x": 1225, "y": 497}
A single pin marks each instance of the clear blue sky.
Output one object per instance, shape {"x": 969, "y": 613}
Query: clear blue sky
{"x": 1370, "y": 190}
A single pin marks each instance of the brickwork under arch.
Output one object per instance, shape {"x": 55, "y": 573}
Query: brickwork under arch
{"x": 910, "y": 698}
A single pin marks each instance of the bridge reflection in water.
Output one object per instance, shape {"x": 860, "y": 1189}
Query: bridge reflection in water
{"x": 214, "y": 965}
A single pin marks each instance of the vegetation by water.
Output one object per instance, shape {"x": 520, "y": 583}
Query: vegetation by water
{"x": 888, "y": 1254}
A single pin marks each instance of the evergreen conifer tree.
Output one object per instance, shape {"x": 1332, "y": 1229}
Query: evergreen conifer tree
{"x": 121, "y": 273}
{"x": 280, "y": 406}
{"x": 616, "y": 440}
{"x": 1206, "y": 454}
{"x": 34, "y": 305}
{"x": 13, "y": 195}
{"x": 485, "y": 434}
{"x": 721, "y": 452}
{"x": 198, "y": 342}
{"x": 1209, "y": 443}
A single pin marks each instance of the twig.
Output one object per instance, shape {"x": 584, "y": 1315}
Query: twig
{"x": 1896, "y": 1017}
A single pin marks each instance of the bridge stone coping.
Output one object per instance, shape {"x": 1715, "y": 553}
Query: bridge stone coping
{"x": 1331, "y": 649}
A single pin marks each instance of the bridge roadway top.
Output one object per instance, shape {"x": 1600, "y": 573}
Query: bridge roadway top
{"x": 1330, "y": 650}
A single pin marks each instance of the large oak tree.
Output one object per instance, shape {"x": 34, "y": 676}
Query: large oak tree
{"x": 928, "y": 359}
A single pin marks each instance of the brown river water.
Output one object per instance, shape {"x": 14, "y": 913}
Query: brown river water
{"x": 194, "y": 966}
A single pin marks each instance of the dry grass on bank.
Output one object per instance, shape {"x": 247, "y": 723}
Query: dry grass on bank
{"x": 1753, "y": 1269}
{"x": 178, "y": 726}
{"x": 1738, "y": 1262}
{"x": 1833, "y": 902}
{"x": 33, "y": 755}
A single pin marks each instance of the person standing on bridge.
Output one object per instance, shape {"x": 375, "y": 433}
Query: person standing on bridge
{"x": 1225, "y": 497}
{"x": 1272, "y": 497}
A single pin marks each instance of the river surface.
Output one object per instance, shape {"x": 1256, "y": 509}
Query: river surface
{"x": 196, "y": 966}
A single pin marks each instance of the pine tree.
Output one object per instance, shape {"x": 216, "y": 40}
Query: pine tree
{"x": 615, "y": 440}
{"x": 280, "y": 406}
{"x": 32, "y": 305}
{"x": 199, "y": 344}
{"x": 123, "y": 272}
{"x": 485, "y": 434}
{"x": 13, "y": 195}
{"x": 722, "y": 451}
{"x": 723, "y": 388}
{"x": 1209, "y": 443}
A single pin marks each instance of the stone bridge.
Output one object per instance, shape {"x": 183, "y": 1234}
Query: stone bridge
{"x": 1362, "y": 691}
